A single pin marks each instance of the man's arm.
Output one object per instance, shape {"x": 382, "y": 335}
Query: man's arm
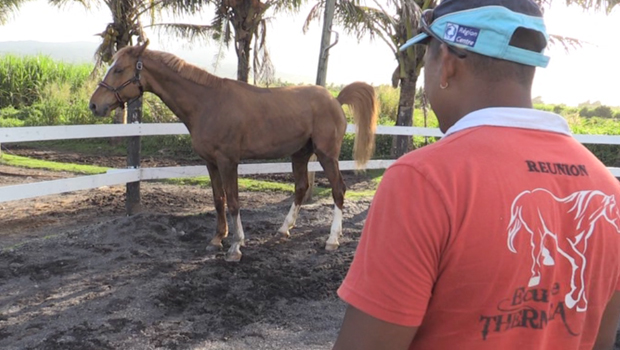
{"x": 609, "y": 325}
{"x": 361, "y": 331}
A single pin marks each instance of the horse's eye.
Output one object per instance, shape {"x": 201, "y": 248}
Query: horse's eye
{"x": 118, "y": 70}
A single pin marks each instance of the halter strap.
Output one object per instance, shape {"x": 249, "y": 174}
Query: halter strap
{"x": 134, "y": 80}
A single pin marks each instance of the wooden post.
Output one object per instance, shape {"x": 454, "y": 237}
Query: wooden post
{"x": 321, "y": 75}
{"x": 132, "y": 199}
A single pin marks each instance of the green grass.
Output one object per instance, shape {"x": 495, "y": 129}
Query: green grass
{"x": 25, "y": 162}
{"x": 253, "y": 185}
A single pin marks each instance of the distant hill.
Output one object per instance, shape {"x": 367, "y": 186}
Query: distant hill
{"x": 74, "y": 52}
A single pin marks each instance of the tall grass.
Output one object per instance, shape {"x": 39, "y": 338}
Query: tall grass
{"x": 23, "y": 79}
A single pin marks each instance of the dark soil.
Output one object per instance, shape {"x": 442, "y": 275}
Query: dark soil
{"x": 77, "y": 273}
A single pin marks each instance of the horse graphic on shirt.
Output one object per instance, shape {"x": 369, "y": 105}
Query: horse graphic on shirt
{"x": 535, "y": 212}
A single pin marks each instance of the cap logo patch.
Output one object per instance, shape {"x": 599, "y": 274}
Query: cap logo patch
{"x": 461, "y": 34}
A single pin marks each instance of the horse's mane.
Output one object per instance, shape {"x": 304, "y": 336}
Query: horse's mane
{"x": 582, "y": 201}
{"x": 185, "y": 70}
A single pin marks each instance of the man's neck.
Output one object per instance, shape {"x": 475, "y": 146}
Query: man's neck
{"x": 486, "y": 95}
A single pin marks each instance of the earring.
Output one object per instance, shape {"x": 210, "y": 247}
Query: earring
{"x": 443, "y": 87}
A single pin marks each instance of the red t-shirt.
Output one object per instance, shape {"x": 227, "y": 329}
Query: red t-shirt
{"x": 495, "y": 237}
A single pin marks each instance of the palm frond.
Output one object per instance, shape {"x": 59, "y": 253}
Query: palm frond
{"x": 8, "y": 8}
{"x": 263, "y": 69}
{"x": 314, "y": 15}
{"x": 567, "y": 43}
{"x": 190, "y": 32}
{"x": 285, "y": 6}
{"x": 586, "y": 5}
{"x": 596, "y": 5}
{"x": 182, "y": 7}
{"x": 363, "y": 21}
{"x": 61, "y": 3}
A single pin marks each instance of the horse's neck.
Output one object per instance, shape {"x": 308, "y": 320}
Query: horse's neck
{"x": 178, "y": 93}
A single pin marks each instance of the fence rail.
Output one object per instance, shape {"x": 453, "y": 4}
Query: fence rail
{"x": 123, "y": 176}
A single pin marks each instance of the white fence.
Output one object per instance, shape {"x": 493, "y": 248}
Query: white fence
{"x": 123, "y": 176}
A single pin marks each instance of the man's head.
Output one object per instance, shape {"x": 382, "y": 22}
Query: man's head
{"x": 484, "y": 51}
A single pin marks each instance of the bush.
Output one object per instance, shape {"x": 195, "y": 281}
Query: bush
{"x": 388, "y": 100}
{"x": 584, "y": 112}
{"x": 602, "y": 111}
{"x": 608, "y": 154}
{"x": 10, "y": 123}
{"x": 558, "y": 109}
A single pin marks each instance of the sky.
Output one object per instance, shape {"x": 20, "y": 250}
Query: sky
{"x": 591, "y": 72}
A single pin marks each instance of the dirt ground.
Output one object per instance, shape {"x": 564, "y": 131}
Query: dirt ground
{"x": 77, "y": 273}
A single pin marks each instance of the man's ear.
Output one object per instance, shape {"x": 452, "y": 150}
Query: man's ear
{"x": 448, "y": 64}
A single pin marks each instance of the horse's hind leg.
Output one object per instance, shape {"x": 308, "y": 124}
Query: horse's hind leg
{"x": 228, "y": 173}
{"x": 300, "y": 173}
{"x": 332, "y": 171}
{"x": 219, "y": 200}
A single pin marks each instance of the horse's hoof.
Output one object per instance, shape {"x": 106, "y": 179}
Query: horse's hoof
{"x": 569, "y": 301}
{"x": 285, "y": 234}
{"x": 233, "y": 257}
{"x": 330, "y": 247}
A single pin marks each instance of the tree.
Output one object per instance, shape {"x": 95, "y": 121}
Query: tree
{"x": 243, "y": 22}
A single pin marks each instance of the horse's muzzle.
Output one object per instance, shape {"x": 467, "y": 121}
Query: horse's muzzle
{"x": 98, "y": 110}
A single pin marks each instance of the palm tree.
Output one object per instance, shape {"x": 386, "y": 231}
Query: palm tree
{"x": 243, "y": 22}
{"x": 7, "y": 8}
{"x": 394, "y": 22}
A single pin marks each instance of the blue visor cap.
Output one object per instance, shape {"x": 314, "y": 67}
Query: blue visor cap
{"x": 487, "y": 31}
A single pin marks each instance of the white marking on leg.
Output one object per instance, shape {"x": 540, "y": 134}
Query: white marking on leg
{"x": 336, "y": 230}
{"x": 547, "y": 259}
{"x": 234, "y": 253}
{"x": 290, "y": 220}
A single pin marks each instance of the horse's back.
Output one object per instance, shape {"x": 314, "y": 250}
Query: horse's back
{"x": 276, "y": 122}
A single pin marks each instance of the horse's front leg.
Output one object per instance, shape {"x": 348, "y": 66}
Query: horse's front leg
{"x": 228, "y": 173}
{"x": 219, "y": 200}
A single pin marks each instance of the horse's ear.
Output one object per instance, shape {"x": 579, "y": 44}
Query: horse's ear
{"x": 143, "y": 47}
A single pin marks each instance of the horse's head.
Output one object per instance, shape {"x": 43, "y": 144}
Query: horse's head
{"x": 612, "y": 213}
{"x": 121, "y": 83}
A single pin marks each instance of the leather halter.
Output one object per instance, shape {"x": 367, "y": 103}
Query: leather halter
{"x": 134, "y": 80}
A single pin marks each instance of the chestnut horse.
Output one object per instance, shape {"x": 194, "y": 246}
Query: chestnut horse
{"x": 229, "y": 121}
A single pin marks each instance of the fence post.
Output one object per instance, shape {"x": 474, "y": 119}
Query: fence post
{"x": 132, "y": 199}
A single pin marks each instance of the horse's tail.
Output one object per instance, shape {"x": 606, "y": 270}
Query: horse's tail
{"x": 514, "y": 226}
{"x": 362, "y": 99}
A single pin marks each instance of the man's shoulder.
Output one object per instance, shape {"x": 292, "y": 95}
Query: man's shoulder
{"x": 443, "y": 151}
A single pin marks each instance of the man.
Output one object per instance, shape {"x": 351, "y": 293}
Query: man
{"x": 505, "y": 234}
